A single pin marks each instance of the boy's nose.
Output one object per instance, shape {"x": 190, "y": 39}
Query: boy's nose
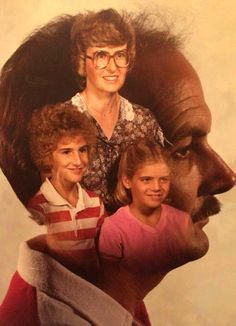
{"x": 76, "y": 158}
{"x": 156, "y": 185}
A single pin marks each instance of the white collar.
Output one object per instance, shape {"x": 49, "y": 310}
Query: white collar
{"x": 54, "y": 198}
{"x": 127, "y": 111}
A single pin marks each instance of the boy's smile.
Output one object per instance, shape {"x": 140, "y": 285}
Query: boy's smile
{"x": 69, "y": 160}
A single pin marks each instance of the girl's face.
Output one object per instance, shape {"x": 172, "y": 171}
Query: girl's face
{"x": 150, "y": 185}
{"x": 108, "y": 79}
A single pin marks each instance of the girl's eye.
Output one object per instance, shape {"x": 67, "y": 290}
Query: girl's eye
{"x": 182, "y": 153}
{"x": 145, "y": 180}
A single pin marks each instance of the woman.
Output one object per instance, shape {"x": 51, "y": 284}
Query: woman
{"x": 103, "y": 51}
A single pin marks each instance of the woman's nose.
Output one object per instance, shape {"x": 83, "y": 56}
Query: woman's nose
{"x": 111, "y": 66}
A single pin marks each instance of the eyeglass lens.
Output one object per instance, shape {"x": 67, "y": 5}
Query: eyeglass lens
{"x": 102, "y": 59}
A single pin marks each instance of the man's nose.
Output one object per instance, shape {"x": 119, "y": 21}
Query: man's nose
{"x": 217, "y": 176}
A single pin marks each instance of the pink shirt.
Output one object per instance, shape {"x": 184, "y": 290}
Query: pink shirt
{"x": 139, "y": 246}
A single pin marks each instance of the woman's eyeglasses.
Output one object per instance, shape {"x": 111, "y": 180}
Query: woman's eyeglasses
{"x": 102, "y": 58}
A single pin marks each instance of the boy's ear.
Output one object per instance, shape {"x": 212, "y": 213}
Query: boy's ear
{"x": 126, "y": 181}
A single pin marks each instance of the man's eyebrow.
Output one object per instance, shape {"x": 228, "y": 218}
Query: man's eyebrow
{"x": 189, "y": 131}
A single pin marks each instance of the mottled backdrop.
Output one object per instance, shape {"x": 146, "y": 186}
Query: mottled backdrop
{"x": 201, "y": 293}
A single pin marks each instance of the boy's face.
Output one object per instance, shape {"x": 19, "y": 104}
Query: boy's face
{"x": 150, "y": 185}
{"x": 69, "y": 160}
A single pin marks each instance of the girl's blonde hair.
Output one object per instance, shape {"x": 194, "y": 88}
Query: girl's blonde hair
{"x": 136, "y": 155}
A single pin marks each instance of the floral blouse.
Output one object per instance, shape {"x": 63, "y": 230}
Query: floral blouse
{"x": 134, "y": 122}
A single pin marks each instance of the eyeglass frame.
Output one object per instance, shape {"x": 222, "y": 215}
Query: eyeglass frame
{"x": 111, "y": 56}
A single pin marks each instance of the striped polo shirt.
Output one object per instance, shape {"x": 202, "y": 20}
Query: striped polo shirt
{"x": 72, "y": 228}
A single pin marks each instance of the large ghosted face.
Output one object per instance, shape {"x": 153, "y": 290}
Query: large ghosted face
{"x": 172, "y": 90}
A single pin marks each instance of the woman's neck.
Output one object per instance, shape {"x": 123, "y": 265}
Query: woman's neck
{"x": 104, "y": 108}
{"x": 102, "y": 104}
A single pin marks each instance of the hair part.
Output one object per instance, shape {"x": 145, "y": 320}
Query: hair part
{"x": 136, "y": 155}
{"x": 52, "y": 122}
{"x": 104, "y": 28}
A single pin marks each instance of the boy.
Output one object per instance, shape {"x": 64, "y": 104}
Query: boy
{"x": 61, "y": 141}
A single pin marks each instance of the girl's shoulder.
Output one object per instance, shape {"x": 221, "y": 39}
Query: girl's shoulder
{"x": 174, "y": 212}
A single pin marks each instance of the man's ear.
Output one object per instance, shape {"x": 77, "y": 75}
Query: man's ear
{"x": 126, "y": 181}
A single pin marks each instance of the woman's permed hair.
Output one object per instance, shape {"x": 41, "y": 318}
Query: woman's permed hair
{"x": 140, "y": 153}
{"x": 52, "y": 122}
{"x": 103, "y": 28}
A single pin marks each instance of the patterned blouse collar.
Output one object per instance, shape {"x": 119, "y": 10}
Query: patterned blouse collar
{"x": 127, "y": 111}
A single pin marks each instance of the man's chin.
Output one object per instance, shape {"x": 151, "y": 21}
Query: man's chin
{"x": 200, "y": 244}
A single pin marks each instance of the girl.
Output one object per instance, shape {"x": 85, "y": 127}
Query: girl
{"x": 145, "y": 235}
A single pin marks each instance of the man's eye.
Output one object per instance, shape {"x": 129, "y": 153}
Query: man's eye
{"x": 182, "y": 153}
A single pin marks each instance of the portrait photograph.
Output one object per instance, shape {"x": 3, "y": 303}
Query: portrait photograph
{"x": 118, "y": 162}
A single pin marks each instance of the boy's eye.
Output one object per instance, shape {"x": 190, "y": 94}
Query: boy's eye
{"x": 84, "y": 149}
{"x": 65, "y": 151}
{"x": 165, "y": 179}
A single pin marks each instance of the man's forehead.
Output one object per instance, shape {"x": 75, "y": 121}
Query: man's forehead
{"x": 189, "y": 116}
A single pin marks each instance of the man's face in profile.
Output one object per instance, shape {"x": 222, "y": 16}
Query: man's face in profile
{"x": 171, "y": 89}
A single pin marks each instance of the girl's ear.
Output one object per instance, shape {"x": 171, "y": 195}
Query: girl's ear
{"x": 126, "y": 182}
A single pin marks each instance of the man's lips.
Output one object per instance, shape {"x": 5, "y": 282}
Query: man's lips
{"x": 210, "y": 206}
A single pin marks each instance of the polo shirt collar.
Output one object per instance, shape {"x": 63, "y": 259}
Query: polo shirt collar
{"x": 54, "y": 198}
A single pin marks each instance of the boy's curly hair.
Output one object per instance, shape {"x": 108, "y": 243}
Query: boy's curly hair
{"x": 52, "y": 122}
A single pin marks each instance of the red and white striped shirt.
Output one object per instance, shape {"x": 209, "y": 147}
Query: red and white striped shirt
{"x": 73, "y": 228}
